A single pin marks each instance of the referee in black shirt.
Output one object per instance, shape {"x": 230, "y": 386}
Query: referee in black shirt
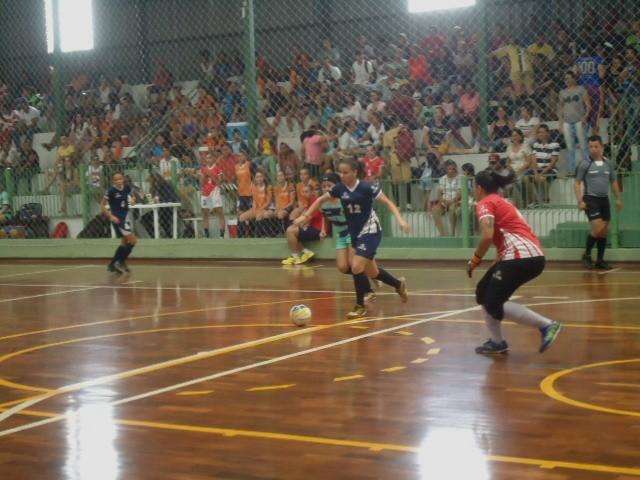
{"x": 594, "y": 177}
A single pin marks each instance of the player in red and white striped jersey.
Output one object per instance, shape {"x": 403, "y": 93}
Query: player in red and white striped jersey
{"x": 520, "y": 260}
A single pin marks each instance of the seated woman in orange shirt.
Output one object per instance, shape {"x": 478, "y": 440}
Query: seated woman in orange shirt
{"x": 262, "y": 209}
{"x": 285, "y": 194}
{"x": 304, "y": 201}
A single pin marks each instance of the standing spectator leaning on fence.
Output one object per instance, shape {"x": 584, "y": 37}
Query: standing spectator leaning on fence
{"x": 595, "y": 177}
{"x": 574, "y": 106}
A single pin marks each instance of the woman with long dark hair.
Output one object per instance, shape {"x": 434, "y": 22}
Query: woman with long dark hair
{"x": 520, "y": 260}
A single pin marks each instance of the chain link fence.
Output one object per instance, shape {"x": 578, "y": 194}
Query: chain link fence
{"x": 223, "y": 114}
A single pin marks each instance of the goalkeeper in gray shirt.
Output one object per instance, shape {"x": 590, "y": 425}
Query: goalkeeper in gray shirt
{"x": 594, "y": 178}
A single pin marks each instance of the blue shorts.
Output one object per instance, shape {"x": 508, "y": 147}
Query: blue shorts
{"x": 367, "y": 245}
{"x": 122, "y": 229}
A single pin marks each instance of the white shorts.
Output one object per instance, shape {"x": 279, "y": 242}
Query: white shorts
{"x": 214, "y": 200}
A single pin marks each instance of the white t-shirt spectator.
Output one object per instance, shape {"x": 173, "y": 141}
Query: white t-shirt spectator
{"x": 518, "y": 158}
{"x": 28, "y": 116}
{"x": 376, "y": 134}
{"x": 347, "y": 142}
{"x": 362, "y": 72}
{"x": 165, "y": 167}
{"x": 528, "y": 127}
{"x": 94, "y": 174}
{"x": 450, "y": 187}
{"x": 354, "y": 111}
{"x": 333, "y": 75}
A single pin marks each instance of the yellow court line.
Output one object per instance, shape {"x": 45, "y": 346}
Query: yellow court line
{"x": 433, "y": 351}
{"x": 570, "y": 325}
{"x": 428, "y": 340}
{"x": 548, "y": 387}
{"x": 194, "y": 393}
{"x": 404, "y": 333}
{"x": 348, "y": 377}
{"x": 165, "y": 314}
{"x": 393, "y": 369}
{"x": 370, "y": 446}
{"x": 359, "y": 327}
{"x": 419, "y": 360}
{"x": 19, "y": 386}
{"x": 271, "y": 387}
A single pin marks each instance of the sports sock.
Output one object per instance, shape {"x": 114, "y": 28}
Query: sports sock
{"x": 494, "y": 327}
{"x": 386, "y": 277}
{"x": 591, "y": 241}
{"x": 523, "y": 316}
{"x": 361, "y": 283}
{"x": 602, "y": 246}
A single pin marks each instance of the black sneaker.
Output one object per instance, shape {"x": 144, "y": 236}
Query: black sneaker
{"x": 492, "y": 348}
{"x": 549, "y": 335}
{"x": 111, "y": 268}
{"x": 602, "y": 265}
{"x": 587, "y": 262}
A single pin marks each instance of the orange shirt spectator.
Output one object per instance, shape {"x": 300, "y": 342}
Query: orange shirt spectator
{"x": 418, "y": 67}
{"x": 305, "y": 200}
{"x": 244, "y": 177}
{"x": 285, "y": 196}
{"x": 262, "y": 197}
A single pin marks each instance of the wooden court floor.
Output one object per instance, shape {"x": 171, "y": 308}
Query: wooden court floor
{"x": 192, "y": 370}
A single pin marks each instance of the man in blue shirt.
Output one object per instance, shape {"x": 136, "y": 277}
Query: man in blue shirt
{"x": 591, "y": 72}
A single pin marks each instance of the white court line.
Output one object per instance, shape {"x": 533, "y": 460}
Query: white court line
{"x": 540, "y": 297}
{"x": 449, "y": 313}
{"x": 607, "y": 272}
{"x": 79, "y": 386}
{"x": 428, "y": 268}
{"x": 50, "y": 294}
{"x": 240, "y": 290}
{"x": 45, "y": 271}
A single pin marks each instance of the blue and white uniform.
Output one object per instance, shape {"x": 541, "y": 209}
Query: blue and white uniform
{"x": 588, "y": 70}
{"x": 362, "y": 220}
{"x": 119, "y": 206}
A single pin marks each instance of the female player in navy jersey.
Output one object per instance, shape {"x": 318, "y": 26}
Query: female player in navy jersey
{"x": 364, "y": 229}
{"x": 115, "y": 206}
{"x": 520, "y": 260}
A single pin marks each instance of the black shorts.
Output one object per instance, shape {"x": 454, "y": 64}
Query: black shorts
{"x": 597, "y": 208}
{"x": 503, "y": 279}
{"x": 308, "y": 234}
{"x": 245, "y": 203}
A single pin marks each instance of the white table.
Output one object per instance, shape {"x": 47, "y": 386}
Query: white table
{"x": 156, "y": 222}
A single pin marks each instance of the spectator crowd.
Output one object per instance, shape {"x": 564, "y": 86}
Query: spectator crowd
{"x": 399, "y": 106}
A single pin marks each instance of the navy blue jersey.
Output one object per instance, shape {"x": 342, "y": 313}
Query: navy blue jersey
{"x": 358, "y": 207}
{"x": 588, "y": 70}
{"x": 119, "y": 201}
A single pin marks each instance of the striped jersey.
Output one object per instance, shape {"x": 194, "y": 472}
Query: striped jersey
{"x": 544, "y": 152}
{"x": 334, "y": 212}
{"x": 512, "y": 235}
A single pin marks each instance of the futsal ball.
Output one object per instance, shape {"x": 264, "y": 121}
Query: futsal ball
{"x": 300, "y": 315}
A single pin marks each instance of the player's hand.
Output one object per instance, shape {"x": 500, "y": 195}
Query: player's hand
{"x": 619, "y": 204}
{"x": 406, "y": 228}
{"x": 582, "y": 206}
{"x": 473, "y": 264}
{"x": 301, "y": 220}
{"x": 323, "y": 235}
